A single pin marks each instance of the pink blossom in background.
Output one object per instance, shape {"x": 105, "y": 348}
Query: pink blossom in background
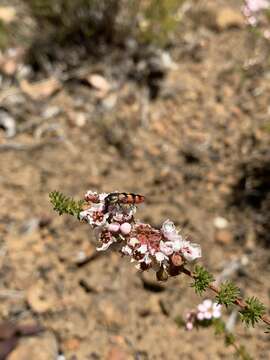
{"x": 205, "y": 312}
{"x": 253, "y": 10}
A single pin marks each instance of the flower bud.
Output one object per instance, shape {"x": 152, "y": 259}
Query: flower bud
{"x": 125, "y": 228}
{"x": 177, "y": 260}
{"x": 114, "y": 227}
{"x": 162, "y": 275}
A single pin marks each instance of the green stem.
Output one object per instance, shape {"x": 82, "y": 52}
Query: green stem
{"x": 238, "y": 302}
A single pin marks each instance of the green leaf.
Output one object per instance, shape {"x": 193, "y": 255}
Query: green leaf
{"x": 202, "y": 279}
{"x": 65, "y": 205}
{"x": 219, "y": 326}
{"x": 253, "y": 311}
{"x": 228, "y": 293}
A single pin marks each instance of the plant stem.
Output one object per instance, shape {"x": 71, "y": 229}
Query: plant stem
{"x": 239, "y": 302}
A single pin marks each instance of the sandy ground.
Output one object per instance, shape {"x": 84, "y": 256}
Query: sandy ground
{"x": 199, "y": 150}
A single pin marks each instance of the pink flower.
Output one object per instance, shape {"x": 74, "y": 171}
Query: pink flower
{"x": 133, "y": 241}
{"x": 114, "y": 227}
{"x": 257, "y": 5}
{"x": 169, "y": 231}
{"x": 200, "y": 316}
{"x": 160, "y": 257}
{"x": 208, "y": 315}
{"x": 216, "y": 310}
{"x": 189, "y": 326}
{"x": 191, "y": 251}
{"x": 91, "y": 196}
{"x": 163, "y": 249}
{"x": 201, "y": 308}
{"x": 106, "y": 239}
{"x": 125, "y": 228}
{"x": 94, "y": 215}
{"x": 126, "y": 250}
{"x": 142, "y": 249}
{"x": 166, "y": 247}
{"x": 207, "y": 303}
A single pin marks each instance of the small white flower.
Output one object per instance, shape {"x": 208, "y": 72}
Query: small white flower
{"x": 94, "y": 215}
{"x": 217, "y": 306}
{"x": 177, "y": 243}
{"x": 142, "y": 249}
{"x": 200, "y": 316}
{"x": 201, "y": 308}
{"x": 146, "y": 259}
{"x": 166, "y": 247}
{"x": 84, "y": 215}
{"x": 126, "y": 250}
{"x": 191, "y": 251}
{"x": 160, "y": 257}
{"x": 170, "y": 232}
{"x": 208, "y": 315}
{"x": 133, "y": 241}
{"x": 216, "y": 314}
{"x": 102, "y": 196}
{"x": 207, "y": 303}
{"x": 216, "y": 309}
{"x": 90, "y": 193}
{"x": 168, "y": 227}
{"x": 105, "y": 246}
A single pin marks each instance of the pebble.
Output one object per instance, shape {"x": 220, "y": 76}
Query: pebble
{"x": 220, "y": 222}
{"x": 224, "y": 236}
{"x": 111, "y": 316}
{"x": 39, "y": 300}
{"x": 228, "y": 17}
{"x": 117, "y": 353}
{"x": 43, "y": 347}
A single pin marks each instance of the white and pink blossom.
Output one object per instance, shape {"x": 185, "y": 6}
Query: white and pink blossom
{"x": 162, "y": 249}
{"x": 191, "y": 251}
{"x": 204, "y": 314}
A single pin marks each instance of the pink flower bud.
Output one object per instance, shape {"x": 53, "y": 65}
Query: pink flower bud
{"x": 189, "y": 326}
{"x": 125, "y": 228}
{"x": 200, "y": 316}
{"x": 91, "y": 196}
{"x": 177, "y": 260}
{"x": 114, "y": 227}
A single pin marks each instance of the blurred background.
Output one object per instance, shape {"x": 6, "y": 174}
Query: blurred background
{"x": 165, "y": 98}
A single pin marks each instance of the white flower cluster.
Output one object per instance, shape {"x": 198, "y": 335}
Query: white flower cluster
{"x": 162, "y": 249}
{"x": 204, "y": 314}
{"x": 208, "y": 310}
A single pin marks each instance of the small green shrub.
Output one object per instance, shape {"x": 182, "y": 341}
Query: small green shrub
{"x": 149, "y": 21}
{"x": 160, "y": 19}
{"x": 79, "y": 18}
